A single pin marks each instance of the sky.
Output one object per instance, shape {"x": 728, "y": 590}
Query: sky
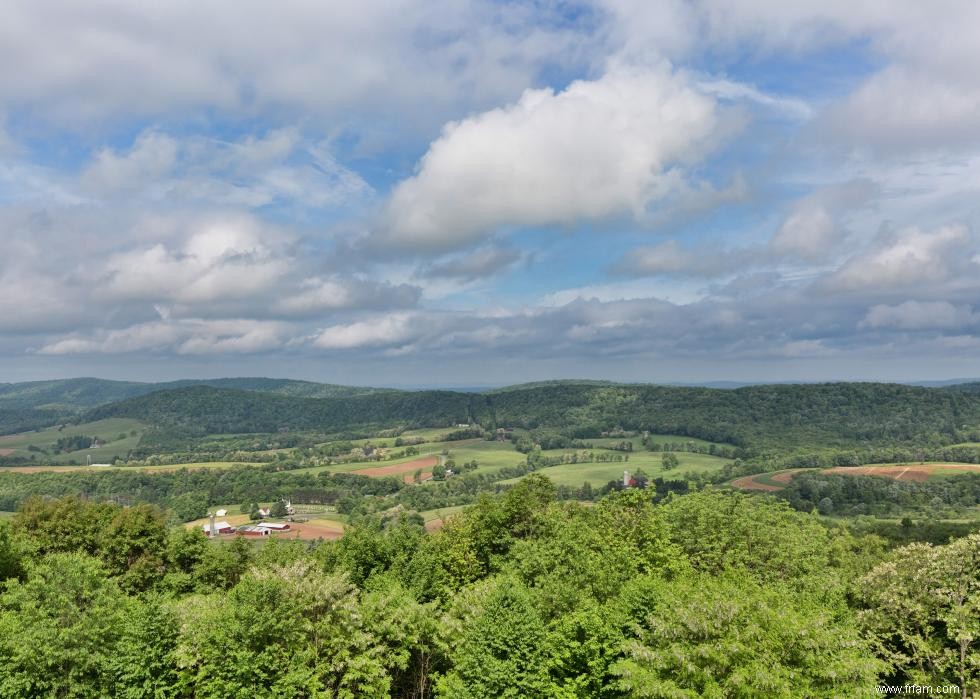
{"x": 466, "y": 192}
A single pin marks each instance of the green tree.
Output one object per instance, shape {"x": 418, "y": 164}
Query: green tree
{"x": 729, "y": 636}
{"x": 10, "y": 554}
{"x": 502, "y": 652}
{"x": 278, "y": 509}
{"x": 144, "y": 662}
{"x": 669, "y": 460}
{"x": 922, "y": 609}
{"x": 134, "y": 544}
{"x": 59, "y": 629}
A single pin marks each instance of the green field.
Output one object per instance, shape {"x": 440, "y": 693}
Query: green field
{"x": 66, "y": 468}
{"x": 492, "y": 455}
{"x": 107, "y": 431}
{"x": 598, "y": 474}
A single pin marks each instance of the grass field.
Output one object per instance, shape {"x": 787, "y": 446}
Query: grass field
{"x": 6, "y": 515}
{"x": 63, "y": 468}
{"x": 107, "y": 431}
{"x": 489, "y": 455}
{"x": 598, "y": 474}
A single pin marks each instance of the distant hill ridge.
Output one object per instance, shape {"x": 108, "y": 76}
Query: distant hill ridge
{"x": 832, "y": 415}
{"x": 34, "y": 404}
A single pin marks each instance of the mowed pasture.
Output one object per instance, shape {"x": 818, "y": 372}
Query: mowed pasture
{"x": 117, "y": 435}
{"x": 777, "y": 480}
{"x": 598, "y": 474}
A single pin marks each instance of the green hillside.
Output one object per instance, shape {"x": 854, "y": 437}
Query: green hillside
{"x": 37, "y": 404}
{"x": 208, "y": 410}
{"x": 759, "y": 418}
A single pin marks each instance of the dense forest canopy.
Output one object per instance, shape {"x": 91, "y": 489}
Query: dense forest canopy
{"x": 521, "y": 596}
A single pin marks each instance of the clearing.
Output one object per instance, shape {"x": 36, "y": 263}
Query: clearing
{"x": 598, "y": 474}
{"x": 117, "y": 436}
{"x": 408, "y": 468}
{"x": 777, "y": 480}
{"x": 907, "y": 472}
{"x": 307, "y": 531}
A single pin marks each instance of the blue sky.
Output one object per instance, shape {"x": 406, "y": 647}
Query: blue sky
{"x": 457, "y": 192}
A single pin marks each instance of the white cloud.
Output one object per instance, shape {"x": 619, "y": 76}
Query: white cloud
{"x": 919, "y": 315}
{"x": 816, "y": 223}
{"x": 420, "y": 58}
{"x": 597, "y": 149}
{"x": 273, "y": 168}
{"x": 672, "y": 258}
{"x": 792, "y": 107}
{"x": 480, "y": 263}
{"x": 907, "y": 257}
{"x": 902, "y": 110}
{"x": 220, "y": 260}
{"x": 809, "y": 232}
{"x": 317, "y": 295}
{"x": 188, "y": 336}
{"x": 152, "y": 158}
{"x": 382, "y": 331}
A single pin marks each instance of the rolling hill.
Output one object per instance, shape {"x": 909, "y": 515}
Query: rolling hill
{"x": 778, "y": 417}
{"x": 37, "y": 404}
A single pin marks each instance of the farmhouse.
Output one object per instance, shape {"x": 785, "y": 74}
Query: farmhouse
{"x": 219, "y": 528}
{"x": 221, "y": 513}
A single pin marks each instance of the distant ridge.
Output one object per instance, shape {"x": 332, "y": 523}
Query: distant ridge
{"x": 35, "y": 404}
{"x": 38, "y": 404}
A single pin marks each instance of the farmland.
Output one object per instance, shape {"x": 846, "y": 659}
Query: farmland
{"x": 309, "y": 530}
{"x": 775, "y": 481}
{"x": 574, "y": 475}
{"x": 116, "y": 435}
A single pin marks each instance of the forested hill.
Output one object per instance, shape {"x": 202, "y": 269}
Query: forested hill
{"x": 758, "y": 417}
{"x": 34, "y": 404}
{"x": 205, "y": 409}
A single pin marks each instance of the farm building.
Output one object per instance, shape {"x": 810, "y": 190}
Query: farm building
{"x": 221, "y": 513}
{"x": 219, "y": 528}
{"x": 252, "y": 530}
{"x": 274, "y": 526}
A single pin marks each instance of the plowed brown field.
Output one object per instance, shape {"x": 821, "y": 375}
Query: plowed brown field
{"x": 409, "y": 468}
